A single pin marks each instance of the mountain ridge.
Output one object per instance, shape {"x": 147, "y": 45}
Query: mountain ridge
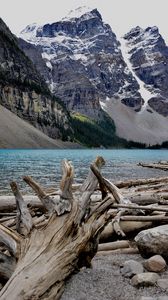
{"x": 83, "y": 63}
{"x": 89, "y": 55}
{"x": 84, "y": 52}
{"x": 24, "y": 91}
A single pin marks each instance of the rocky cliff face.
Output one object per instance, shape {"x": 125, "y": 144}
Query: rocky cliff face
{"x": 41, "y": 111}
{"x": 84, "y": 64}
{"x": 149, "y": 59}
{"x": 24, "y": 92}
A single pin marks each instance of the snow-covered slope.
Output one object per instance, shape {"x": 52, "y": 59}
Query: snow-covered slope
{"x": 89, "y": 68}
{"x": 149, "y": 59}
{"x": 145, "y": 93}
{"x": 84, "y": 62}
{"x": 79, "y": 12}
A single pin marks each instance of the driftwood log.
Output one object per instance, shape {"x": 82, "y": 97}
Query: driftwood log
{"x": 139, "y": 182}
{"x": 46, "y": 256}
{"x": 161, "y": 166}
{"x": 47, "y": 237}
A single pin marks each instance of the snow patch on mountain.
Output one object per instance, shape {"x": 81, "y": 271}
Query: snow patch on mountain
{"x": 29, "y": 32}
{"x": 78, "y": 12}
{"x": 87, "y": 64}
{"x": 145, "y": 93}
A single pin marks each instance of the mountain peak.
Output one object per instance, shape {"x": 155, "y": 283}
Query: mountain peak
{"x": 29, "y": 28}
{"x": 133, "y": 33}
{"x": 136, "y": 32}
{"x": 82, "y": 11}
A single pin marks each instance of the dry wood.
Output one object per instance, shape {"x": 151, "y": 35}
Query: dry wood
{"x": 66, "y": 237}
{"x": 146, "y": 198}
{"x": 11, "y": 239}
{"x": 10, "y": 223}
{"x": 116, "y": 223}
{"x": 7, "y": 266}
{"x": 23, "y": 215}
{"x": 119, "y": 251}
{"x": 8, "y": 203}
{"x": 88, "y": 187}
{"x": 154, "y": 166}
{"x": 119, "y": 198}
{"x": 157, "y": 218}
{"x": 38, "y": 220}
{"x": 113, "y": 245}
{"x": 2, "y": 220}
{"x": 148, "y": 208}
{"x": 50, "y": 254}
{"x": 47, "y": 201}
{"x": 58, "y": 203}
{"x": 126, "y": 226}
{"x": 137, "y": 182}
{"x": 150, "y": 187}
{"x": 108, "y": 185}
{"x": 7, "y": 214}
{"x": 163, "y": 162}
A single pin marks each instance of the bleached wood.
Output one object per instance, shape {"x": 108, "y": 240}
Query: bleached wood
{"x": 88, "y": 187}
{"x": 126, "y": 226}
{"x": 148, "y": 208}
{"x": 50, "y": 254}
{"x": 154, "y": 166}
{"x": 47, "y": 201}
{"x": 137, "y": 182}
{"x": 113, "y": 245}
{"x": 8, "y": 203}
{"x": 7, "y": 266}
{"x": 59, "y": 245}
{"x": 157, "y": 218}
{"x": 23, "y": 215}
{"x": 118, "y": 251}
{"x": 11, "y": 239}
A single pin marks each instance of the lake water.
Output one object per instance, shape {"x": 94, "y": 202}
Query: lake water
{"x": 44, "y": 165}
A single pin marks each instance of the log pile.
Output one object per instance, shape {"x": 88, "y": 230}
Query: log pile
{"x": 47, "y": 237}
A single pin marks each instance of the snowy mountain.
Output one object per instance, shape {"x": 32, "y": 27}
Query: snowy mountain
{"x": 84, "y": 63}
{"x": 149, "y": 59}
{"x": 89, "y": 68}
{"x": 145, "y": 54}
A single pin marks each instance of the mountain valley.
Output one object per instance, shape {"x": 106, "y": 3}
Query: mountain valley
{"x": 77, "y": 81}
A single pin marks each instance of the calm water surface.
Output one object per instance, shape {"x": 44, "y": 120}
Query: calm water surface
{"x": 44, "y": 165}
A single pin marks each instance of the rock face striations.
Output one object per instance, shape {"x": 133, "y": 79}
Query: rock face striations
{"x": 25, "y": 93}
{"x": 149, "y": 59}
{"x": 83, "y": 62}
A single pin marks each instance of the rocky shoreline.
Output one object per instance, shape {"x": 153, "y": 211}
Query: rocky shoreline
{"x": 105, "y": 281}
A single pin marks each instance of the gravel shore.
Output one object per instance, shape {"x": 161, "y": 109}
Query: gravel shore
{"x": 105, "y": 282}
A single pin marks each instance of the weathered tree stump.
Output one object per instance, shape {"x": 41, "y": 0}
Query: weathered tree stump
{"x": 46, "y": 256}
{"x": 59, "y": 233}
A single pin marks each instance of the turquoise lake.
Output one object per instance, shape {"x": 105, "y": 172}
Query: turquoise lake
{"x": 44, "y": 165}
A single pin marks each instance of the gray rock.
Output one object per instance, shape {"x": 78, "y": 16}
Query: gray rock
{"x": 83, "y": 63}
{"x": 24, "y": 92}
{"x": 144, "y": 59}
{"x": 131, "y": 268}
{"x": 147, "y": 298}
{"x": 153, "y": 298}
{"x": 155, "y": 263}
{"x": 163, "y": 283}
{"x": 153, "y": 241}
{"x": 144, "y": 279}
